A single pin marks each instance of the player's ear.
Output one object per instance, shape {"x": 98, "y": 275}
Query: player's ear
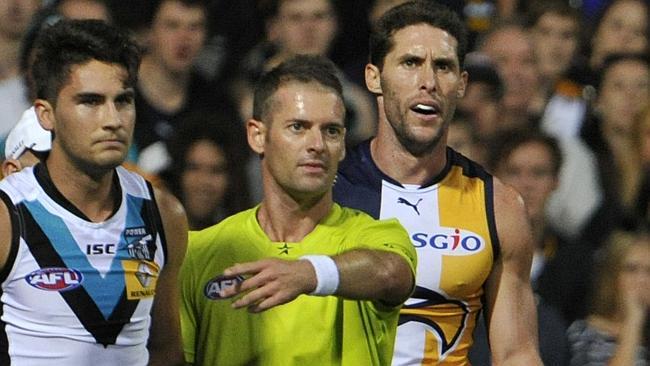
{"x": 256, "y": 134}
{"x": 44, "y": 113}
{"x": 10, "y": 166}
{"x": 460, "y": 92}
{"x": 373, "y": 79}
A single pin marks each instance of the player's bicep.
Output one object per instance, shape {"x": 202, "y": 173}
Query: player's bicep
{"x": 165, "y": 339}
{"x": 510, "y": 306}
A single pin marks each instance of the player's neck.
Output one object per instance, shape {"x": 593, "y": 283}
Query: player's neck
{"x": 398, "y": 163}
{"x": 284, "y": 218}
{"x": 90, "y": 192}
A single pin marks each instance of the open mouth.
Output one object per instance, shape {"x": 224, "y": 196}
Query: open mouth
{"x": 425, "y": 109}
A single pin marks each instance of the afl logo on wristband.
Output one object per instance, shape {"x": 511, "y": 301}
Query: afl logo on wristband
{"x": 215, "y": 285}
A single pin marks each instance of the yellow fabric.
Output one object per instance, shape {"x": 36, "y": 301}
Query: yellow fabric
{"x": 310, "y": 330}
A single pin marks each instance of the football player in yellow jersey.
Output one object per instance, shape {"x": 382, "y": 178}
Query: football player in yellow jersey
{"x": 256, "y": 287}
{"x": 470, "y": 230}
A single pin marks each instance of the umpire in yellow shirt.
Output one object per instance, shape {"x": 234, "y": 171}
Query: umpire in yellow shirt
{"x": 297, "y": 280}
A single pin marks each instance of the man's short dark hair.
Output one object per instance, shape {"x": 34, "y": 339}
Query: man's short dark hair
{"x": 301, "y": 68}
{"x": 413, "y": 13}
{"x": 75, "y": 42}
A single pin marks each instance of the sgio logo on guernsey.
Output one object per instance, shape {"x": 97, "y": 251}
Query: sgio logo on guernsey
{"x": 450, "y": 241}
{"x": 55, "y": 279}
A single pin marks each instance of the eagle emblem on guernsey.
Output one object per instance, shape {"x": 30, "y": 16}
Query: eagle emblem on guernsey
{"x": 449, "y": 333}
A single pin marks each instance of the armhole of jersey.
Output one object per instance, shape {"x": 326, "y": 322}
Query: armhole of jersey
{"x": 489, "y": 209}
{"x": 152, "y": 206}
{"x": 14, "y": 217}
{"x": 482, "y": 315}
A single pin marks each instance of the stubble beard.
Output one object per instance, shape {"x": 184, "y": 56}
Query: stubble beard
{"x": 415, "y": 146}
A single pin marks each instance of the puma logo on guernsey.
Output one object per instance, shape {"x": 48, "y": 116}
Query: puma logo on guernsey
{"x": 414, "y": 206}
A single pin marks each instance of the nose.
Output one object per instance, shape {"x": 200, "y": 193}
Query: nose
{"x": 112, "y": 118}
{"x": 427, "y": 77}
{"x": 316, "y": 141}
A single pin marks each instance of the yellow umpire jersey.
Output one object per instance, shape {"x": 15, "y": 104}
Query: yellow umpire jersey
{"x": 451, "y": 224}
{"x": 310, "y": 330}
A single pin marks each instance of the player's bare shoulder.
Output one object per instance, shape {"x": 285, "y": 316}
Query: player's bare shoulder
{"x": 6, "y": 234}
{"x": 513, "y": 226}
{"x": 168, "y": 204}
{"x": 174, "y": 222}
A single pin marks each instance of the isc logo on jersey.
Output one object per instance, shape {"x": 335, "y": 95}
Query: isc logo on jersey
{"x": 450, "y": 241}
{"x": 215, "y": 285}
{"x": 55, "y": 279}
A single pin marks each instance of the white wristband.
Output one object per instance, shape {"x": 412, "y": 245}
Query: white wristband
{"x": 327, "y": 274}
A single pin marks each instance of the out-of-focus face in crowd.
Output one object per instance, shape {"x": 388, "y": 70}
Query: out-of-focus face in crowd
{"x": 623, "y": 94}
{"x": 204, "y": 180}
{"x": 530, "y": 169}
{"x": 304, "y": 27}
{"x": 555, "y": 39}
{"x": 511, "y": 50}
{"x": 622, "y": 29}
{"x": 15, "y": 17}
{"x": 177, "y": 35}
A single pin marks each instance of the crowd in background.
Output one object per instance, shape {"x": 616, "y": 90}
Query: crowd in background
{"x": 557, "y": 106}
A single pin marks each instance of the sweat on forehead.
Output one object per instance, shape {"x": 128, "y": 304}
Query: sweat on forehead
{"x": 303, "y": 68}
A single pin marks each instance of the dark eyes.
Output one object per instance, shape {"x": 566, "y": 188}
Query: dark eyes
{"x": 441, "y": 65}
{"x": 91, "y": 100}
{"x": 334, "y": 131}
{"x": 296, "y": 126}
{"x": 125, "y": 99}
{"x": 96, "y": 100}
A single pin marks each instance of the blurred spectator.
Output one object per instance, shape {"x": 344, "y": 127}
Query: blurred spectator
{"x": 578, "y": 194}
{"x": 622, "y": 27}
{"x": 613, "y": 332}
{"x": 531, "y": 162}
{"x": 305, "y": 27}
{"x": 299, "y": 27}
{"x": 15, "y": 17}
{"x": 510, "y": 47}
{"x": 461, "y": 137}
{"x": 555, "y": 29}
{"x": 622, "y": 94}
{"x": 481, "y": 104}
{"x": 83, "y": 9}
{"x": 205, "y": 173}
{"x": 168, "y": 87}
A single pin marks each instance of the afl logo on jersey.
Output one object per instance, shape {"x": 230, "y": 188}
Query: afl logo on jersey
{"x": 450, "y": 241}
{"x": 215, "y": 285}
{"x": 55, "y": 279}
